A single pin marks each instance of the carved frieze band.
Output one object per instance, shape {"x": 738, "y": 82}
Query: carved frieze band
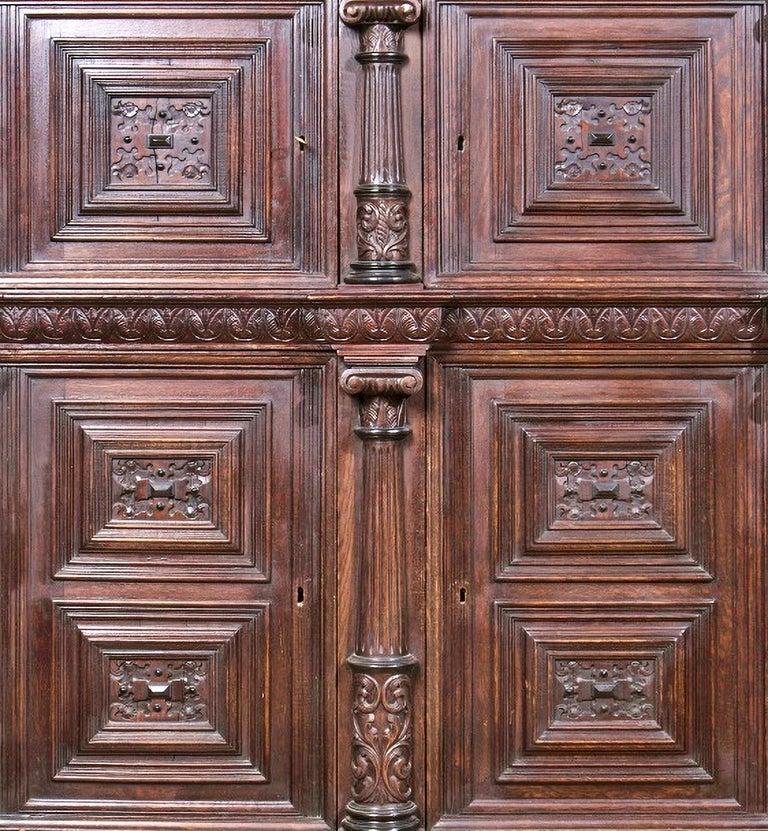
{"x": 382, "y": 738}
{"x": 383, "y": 229}
{"x": 69, "y": 323}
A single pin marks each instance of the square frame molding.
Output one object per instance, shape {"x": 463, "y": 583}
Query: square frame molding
{"x": 499, "y": 216}
{"x": 96, "y": 538}
{"x": 245, "y": 204}
{"x": 646, "y": 732}
{"x": 228, "y": 646}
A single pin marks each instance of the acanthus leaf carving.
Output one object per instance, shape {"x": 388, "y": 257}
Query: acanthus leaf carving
{"x": 382, "y": 229}
{"x": 382, "y": 739}
{"x": 68, "y": 323}
{"x": 381, "y": 394}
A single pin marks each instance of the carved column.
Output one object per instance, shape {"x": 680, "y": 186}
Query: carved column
{"x": 383, "y": 231}
{"x": 382, "y": 743}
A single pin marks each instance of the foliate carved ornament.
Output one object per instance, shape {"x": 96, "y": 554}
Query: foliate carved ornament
{"x": 382, "y": 743}
{"x": 91, "y": 323}
{"x": 383, "y": 230}
{"x": 381, "y": 393}
{"x": 382, "y": 739}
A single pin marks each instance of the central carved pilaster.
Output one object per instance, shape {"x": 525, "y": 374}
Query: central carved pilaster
{"x": 382, "y": 743}
{"x": 383, "y": 230}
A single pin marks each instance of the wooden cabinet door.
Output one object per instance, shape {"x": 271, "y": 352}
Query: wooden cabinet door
{"x": 167, "y": 147}
{"x": 602, "y": 579}
{"x": 595, "y": 149}
{"x": 164, "y": 563}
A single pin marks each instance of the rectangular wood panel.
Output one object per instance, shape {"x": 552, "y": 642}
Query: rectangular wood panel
{"x": 167, "y": 571}
{"x": 599, "y": 575}
{"x": 194, "y": 142}
{"x": 595, "y": 149}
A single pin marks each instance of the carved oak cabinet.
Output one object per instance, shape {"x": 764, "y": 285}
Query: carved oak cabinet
{"x": 382, "y": 413}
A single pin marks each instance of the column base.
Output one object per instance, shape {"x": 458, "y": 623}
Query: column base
{"x": 379, "y": 272}
{"x": 399, "y": 816}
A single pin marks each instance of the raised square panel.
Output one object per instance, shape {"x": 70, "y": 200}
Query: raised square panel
{"x": 571, "y": 161}
{"x": 617, "y": 490}
{"x": 622, "y": 678}
{"x": 193, "y": 143}
{"x": 157, "y": 151}
{"x": 160, "y": 691}
{"x": 153, "y": 495}
{"x": 622, "y": 693}
{"x": 604, "y": 144}
{"x": 143, "y": 128}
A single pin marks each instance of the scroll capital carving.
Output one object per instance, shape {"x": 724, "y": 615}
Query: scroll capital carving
{"x": 382, "y": 743}
{"x": 382, "y": 393}
{"x": 361, "y": 13}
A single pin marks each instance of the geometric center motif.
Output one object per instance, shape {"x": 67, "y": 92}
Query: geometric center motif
{"x": 605, "y": 690}
{"x": 158, "y": 690}
{"x": 161, "y": 489}
{"x": 602, "y": 139}
{"x": 590, "y": 489}
{"x": 160, "y": 141}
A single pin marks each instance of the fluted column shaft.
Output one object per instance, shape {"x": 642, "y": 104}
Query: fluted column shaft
{"x": 383, "y": 229}
{"x": 382, "y": 742}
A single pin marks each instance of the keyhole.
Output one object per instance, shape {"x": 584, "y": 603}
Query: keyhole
{"x": 300, "y": 596}
{"x": 462, "y": 595}
{"x": 460, "y": 143}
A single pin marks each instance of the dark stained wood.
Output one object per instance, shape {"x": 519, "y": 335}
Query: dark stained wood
{"x": 383, "y": 225}
{"x": 586, "y": 661}
{"x": 287, "y": 546}
{"x": 382, "y": 665}
{"x": 164, "y": 646}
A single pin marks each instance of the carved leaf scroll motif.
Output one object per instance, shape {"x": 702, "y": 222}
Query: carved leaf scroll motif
{"x": 602, "y": 140}
{"x": 382, "y": 737}
{"x": 160, "y": 141}
{"x": 605, "y": 690}
{"x": 382, "y": 230}
{"x": 173, "y": 489}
